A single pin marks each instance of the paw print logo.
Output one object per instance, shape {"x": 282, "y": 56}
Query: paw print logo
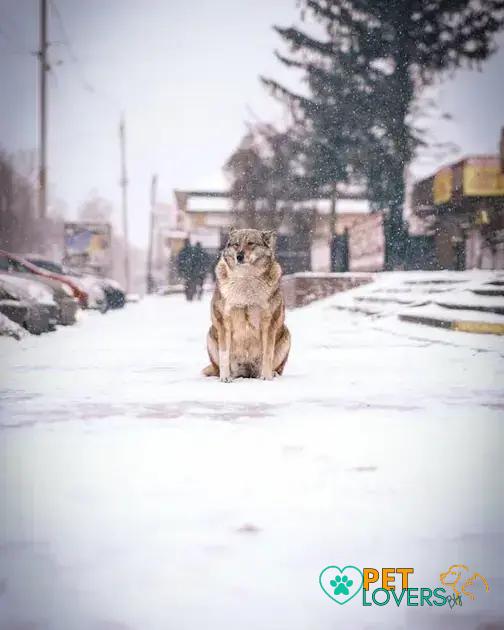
{"x": 341, "y": 585}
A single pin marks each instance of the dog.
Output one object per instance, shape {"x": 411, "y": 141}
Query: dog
{"x": 248, "y": 336}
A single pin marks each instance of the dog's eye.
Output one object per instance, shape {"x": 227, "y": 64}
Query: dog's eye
{"x": 250, "y": 243}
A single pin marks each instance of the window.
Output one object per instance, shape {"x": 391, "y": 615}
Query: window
{"x": 18, "y": 267}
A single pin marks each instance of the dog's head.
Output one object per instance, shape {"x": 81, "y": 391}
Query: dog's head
{"x": 249, "y": 248}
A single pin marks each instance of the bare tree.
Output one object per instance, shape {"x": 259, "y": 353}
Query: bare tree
{"x": 18, "y": 221}
{"x": 266, "y": 173}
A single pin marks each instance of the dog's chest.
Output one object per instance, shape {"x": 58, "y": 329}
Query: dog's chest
{"x": 246, "y": 320}
{"x": 246, "y": 293}
{"x": 245, "y": 333}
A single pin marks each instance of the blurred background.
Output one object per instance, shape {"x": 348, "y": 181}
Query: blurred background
{"x": 127, "y": 127}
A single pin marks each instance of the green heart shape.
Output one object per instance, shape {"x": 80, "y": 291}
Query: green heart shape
{"x": 342, "y": 572}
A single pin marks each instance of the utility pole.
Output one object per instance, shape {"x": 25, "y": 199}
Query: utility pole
{"x": 150, "y": 279}
{"x": 332, "y": 224}
{"x": 501, "y": 150}
{"x": 43, "y": 69}
{"x": 124, "y": 186}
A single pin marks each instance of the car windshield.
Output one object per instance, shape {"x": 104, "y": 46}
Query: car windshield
{"x": 47, "y": 265}
{"x": 15, "y": 265}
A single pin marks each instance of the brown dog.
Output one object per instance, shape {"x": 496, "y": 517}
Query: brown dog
{"x": 248, "y": 336}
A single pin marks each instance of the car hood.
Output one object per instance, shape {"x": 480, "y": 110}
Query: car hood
{"x": 59, "y": 289}
{"x": 27, "y": 289}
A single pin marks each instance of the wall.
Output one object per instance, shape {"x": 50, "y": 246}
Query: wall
{"x": 300, "y": 289}
{"x": 320, "y": 254}
{"x": 366, "y": 244}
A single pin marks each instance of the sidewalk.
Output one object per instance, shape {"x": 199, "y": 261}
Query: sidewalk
{"x": 141, "y": 496}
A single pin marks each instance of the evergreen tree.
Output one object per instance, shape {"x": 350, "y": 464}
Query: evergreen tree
{"x": 364, "y": 75}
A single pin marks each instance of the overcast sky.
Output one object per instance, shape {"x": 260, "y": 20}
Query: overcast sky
{"x": 186, "y": 76}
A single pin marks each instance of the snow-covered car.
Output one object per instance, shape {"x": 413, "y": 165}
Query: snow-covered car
{"x": 9, "y": 328}
{"x": 15, "y": 310}
{"x": 62, "y": 295}
{"x": 13, "y": 263}
{"x": 116, "y": 296}
{"x": 96, "y": 295}
{"x": 97, "y": 298}
{"x": 41, "y": 309}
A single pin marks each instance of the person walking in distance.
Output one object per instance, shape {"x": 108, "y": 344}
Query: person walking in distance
{"x": 200, "y": 264}
{"x": 185, "y": 266}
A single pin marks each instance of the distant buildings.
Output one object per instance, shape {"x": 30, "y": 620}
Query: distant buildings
{"x": 303, "y": 232}
{"x": 461, "y": 207}
{"x": 456, "y": 221}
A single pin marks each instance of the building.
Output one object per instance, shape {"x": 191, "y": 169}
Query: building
{"x": 165, "y": 237}
{"x": 462, "y": 207}
{"x": 303, "y": 236}
{"x": 366, "y": 244}
{"x": 204, "y": 216}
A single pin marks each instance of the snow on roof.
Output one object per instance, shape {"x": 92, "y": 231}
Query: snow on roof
{"x": 180, "y": 234}
{"x": 353, "y": 205}
{"x": 323, "y": 206}
{"x": 193, "y": 201}
{"x": 209, "y": 204}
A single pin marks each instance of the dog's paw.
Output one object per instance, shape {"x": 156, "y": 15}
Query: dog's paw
{"x": 226, "y": 379}
{"x": 266, "y": 377}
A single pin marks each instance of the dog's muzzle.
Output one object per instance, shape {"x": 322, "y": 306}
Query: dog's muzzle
{"x": 240, "y": 257}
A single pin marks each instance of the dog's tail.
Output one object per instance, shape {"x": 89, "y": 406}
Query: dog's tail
{"x": 211, "y": 370}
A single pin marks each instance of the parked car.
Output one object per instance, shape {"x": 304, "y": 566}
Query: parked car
{"x": 41, "y": 313}
{"x": 114, "y": 294}
{"x": 13, "y": 263}
{"x": 62, "y": 295}
{"x": 97, "y": 298}
{"x": 9, "y": 328}
{"x": 116, "y": 297}
{"x": 15, "y": 310}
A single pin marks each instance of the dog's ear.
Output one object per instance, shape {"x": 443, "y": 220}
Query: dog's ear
{"x": 269, "y": 238}
{"x": 232, "y": 230}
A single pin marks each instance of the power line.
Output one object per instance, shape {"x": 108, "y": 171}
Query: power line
{"x": 81, "y": 75}
{"x": 71, "y": 53}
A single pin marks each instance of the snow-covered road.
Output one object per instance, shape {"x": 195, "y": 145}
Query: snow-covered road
{"x": 137, "y": 495}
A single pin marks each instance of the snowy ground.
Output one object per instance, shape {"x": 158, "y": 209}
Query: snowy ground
{"x": 137, "y": 495}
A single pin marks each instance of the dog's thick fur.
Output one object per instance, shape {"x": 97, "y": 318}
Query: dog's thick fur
{"x": 248, "y": 336}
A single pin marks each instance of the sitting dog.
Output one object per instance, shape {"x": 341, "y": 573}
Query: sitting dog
{"x": 248, "y": 336}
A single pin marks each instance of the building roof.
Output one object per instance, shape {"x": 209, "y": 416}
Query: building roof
{"x": 458, "y": 163}
{"x": 357, "y": 206}
{"x": 215, "y": 201}
{"x": 209, "y": 204}
{"x": 458, "y": 185}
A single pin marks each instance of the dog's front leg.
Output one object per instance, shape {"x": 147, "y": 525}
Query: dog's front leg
{"x": 268, "y": 348}
{"x": 224, "y": 350}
